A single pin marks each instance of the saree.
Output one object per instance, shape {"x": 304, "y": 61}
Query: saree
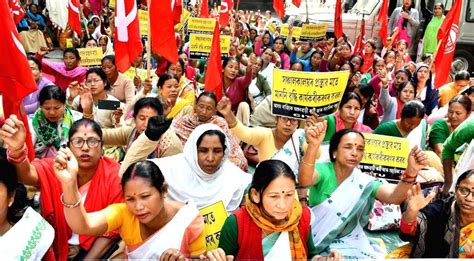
{"x": 29, "y": 239}
{"x": 292, "y": 152}
{"x": 184, "y": 126}
{"x": 340, "y": 219}
{"x": 32, "y": 40}
{"x": 169, "y": 236}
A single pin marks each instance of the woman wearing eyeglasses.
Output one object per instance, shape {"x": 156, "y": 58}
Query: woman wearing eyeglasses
{"x": 98, "y": 182}
{"x": 442, "y": 229}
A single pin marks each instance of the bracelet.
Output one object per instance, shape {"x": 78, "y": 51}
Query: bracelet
{"x": 18, "y": 160}
{"x": 405, "y": 175}
{"x": 233, "y": 124}
{"x": 75, "y": 205}
{"x": 306, "y": 163}
{"x": 87, "y": 115}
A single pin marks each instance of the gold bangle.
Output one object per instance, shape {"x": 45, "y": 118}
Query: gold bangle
{"x": 306, "y": 163}
{"x": 231, "y": 126}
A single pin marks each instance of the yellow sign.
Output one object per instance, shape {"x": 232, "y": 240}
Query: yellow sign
{"x": 284, "y": 31}
{"x": 313, "y": 32}
{"x": 69, "y": 43}
{"x": 214, "y": 218}
{"x": 272, "y": 28}
{"x": 385, "y": 156}
{"x": 131, "y": 72}
{"x": 90, "y": 56}
{"x": 297, "y": 94}
{"x": 200, "y": 45}
{"x": 201, "y": 25}
{"x": 143, "y": 20}
{"x": 111, "y": 3}
{"x": 183, "y": 20}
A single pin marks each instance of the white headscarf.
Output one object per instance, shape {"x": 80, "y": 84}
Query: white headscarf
{"x": 110, "y": 47}
{"x": 96, "y": 34}
{"x": 186, "y": 180}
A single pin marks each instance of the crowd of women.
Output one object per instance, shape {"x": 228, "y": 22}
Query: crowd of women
{"x": 129, "y": 181}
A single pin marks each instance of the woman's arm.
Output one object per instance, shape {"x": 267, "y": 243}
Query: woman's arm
{"x": 308, "y": 175}
{"x": 116, "y": 136}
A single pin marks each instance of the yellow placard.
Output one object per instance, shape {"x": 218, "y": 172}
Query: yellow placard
{"x": 313, "y": 32}
{"x": 214, "y": 218}
{"x": 111, "y": 3}
{"x": 69, "y": 43}
{"x": 385, "y": 156}
{"x": 90, "y": 56}
{"x": 296, "y": 94}
{"x": 284, "y": 31}
{"x": 272, "y": 28}
{"x": 143, "y": 20}
{"x": 201, "y": 25}
{"x": 183, "y": 20}
{"x": 131, "y": 72}
{"x": 200, "y": 45}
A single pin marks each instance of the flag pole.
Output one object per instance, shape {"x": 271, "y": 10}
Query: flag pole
{"x": 307, "y": 12}
{"x": 148, "y": 42}
{"x": 435, "y": 53}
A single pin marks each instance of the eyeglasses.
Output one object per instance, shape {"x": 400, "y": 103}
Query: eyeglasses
{"x": 93, "y": 81}
{"x": 91, "y": 143}
{"x": 465, "y": 192}
{"x": 292, "y": 121}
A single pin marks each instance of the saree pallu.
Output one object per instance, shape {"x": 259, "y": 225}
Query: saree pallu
{"x": 292, "y": 152}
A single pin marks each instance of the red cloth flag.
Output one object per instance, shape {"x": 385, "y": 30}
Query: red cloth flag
{"x": 226, "y": 5}
{"x": 17, "y": 12}
{"x": 338, "y": 20}
{"x": 177, "y": 7}
{"x": 448, "y": 34}
{"x": 383, "y": 20}
{"x": 296, "y": 3}
{"x": 163, "y": 40}
{"x": 73, "y": 17}
{"x": 360, "y": 42}
{"x": 213, "y": 81}
{"x": 96, "y": 6}
{"x": 279, "y": 6}
{"x": 16, "y": 79}
{"x": 204, "y": 11}
{"x": 127, "y": 44}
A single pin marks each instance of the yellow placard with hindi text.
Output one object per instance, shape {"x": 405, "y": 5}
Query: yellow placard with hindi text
{"x": 200, "y": 45}
{"x": 183, "y": 20}
{"x": 284, "y": 31}
{"x": 214, "y": 218}
{"x": 201, "y": 25}
{"x": 297, "y": 94}
{"x": 143, "y": 20}
{"x": 90, "y": 56}
{"x": 313, "y": 32}
{"x": 385, "y": 156}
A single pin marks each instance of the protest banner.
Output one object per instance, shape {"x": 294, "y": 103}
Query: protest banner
{"x": 90, "y": 56}
{"x": 297, "y": 94}
{"x": 385, "y": 156}
{"x": 200, "y": 45}
{"x": 285, "y": 30}
{"x": 143, "y": 20}
{"x": 313, "y": 32}
{"x": 131, "y": 72}
{"x": 201, "y": 25}
{"x": 214, "y": 218}
{"x": 272, "y": 28}
{"x": 183, "y": 20}
{"x": 112, "y": 3}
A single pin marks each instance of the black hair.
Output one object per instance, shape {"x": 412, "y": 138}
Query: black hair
{"x": 405, "y": 71}
{"x": 211, "y": 95}
{"x": 426, "y": 56}
{"x": 164, "y": 77}
{"x": 181, "y": 63}
{"x": 89, "y": 39}
{"x": 468, "y": 91}
{"x": 404, "y": 85}
{"x": 463, "y": 100}
{"x": 227, "y": 60}
{"x": 266, "y": 172}
{"x": 87, "y": 122}
{"x": 74, "y": 51}
{"x": 462, "y": 75}
{"x": 110, "y": 58}
{"x": 101, "y": 74}
{"x": 372, "y": 43}
{"x": 298, "y": 62}
{"x": 357, "y": 56}
{"x": 36, "y": 61}
{"x": 148, "y": 102}
{"x": 366, "y": 90}
{"x": 146, "y": 170}
{"x": 465, "y": 175}
{"x": 440, "y": 4}
{"x": 348, "y": 63}
{"x": 217, "y": 133}
{"x": 376, "y": 60}
{"x": 350, "y": 96}
{"x": 336, "y": 139}
{"x": 51, "y": 92}
{"x": 8, "y": 177}
{"x": 413, "y": 109}
{"x": 317, "y": 51}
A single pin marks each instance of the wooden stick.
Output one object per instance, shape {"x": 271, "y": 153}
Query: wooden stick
{"x": 148, "y": 43}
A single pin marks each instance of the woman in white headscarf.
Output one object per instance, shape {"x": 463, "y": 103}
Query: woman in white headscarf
{"x": 201, "y": 173}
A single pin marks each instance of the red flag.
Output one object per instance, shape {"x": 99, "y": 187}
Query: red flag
{"x": 279, "y": 6}
{"x": 16, "y": 80}
{"x": 359, "y": 45}
{"x": 177, "y": 7}
{"x": 297, "y": 3}
{"x": 383, "y": 20}
{"x": 128, "y": 44}
{"x": 226, "y": 5}
{"x": 162, "y": 30}
{"x": 448, "y": 35}
{"x": 73, "y": 17}
{"x": 204, "y": 11}
{"x": 338, "y": 20}
{"x": 96, "y": 6}
{"x": 213, "y": 81}
{"x": 17, "y": 12}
